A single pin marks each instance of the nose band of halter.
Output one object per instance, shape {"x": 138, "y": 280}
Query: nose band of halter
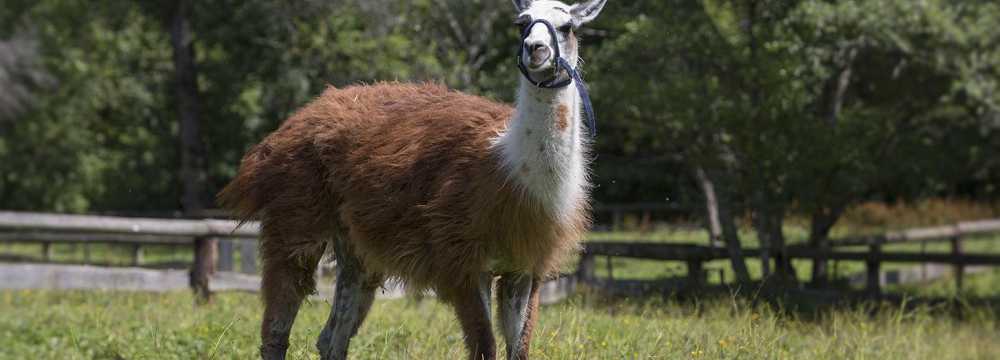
{"x": 574, "y": 75}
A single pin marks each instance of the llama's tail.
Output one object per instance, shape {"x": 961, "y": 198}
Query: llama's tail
{"x": 245, "y": 196}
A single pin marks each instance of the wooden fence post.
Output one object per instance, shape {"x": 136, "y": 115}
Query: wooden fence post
{"x": 696, "y": 273}
{"x": 956, "y": 251}
{"x": 923, "y": 265}
{"x": 611, "y": 270}
{"x": 872, "y": 265}
{"x": 47, "y": 251}
{"x": 225, "y": 255}
{"x": 136, "y": 254}
{"x": 616, "y": 220}
{"x": 205, "y": 253}
{"x": 585, "y": 271}
{"x": 248, "y": 257}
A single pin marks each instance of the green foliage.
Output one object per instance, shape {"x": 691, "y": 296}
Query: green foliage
{"x": 97, "y": 138}
{"x": 746, "y": 89}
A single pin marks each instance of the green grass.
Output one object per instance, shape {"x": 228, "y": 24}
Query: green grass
{"x": 119, "y": 325}
{"x": 109, "y": 325}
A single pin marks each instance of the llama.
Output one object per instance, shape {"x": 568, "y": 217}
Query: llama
{"x": 429, "y": 187}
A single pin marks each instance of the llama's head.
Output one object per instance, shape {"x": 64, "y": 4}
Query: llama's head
{"x": 538, "y": 50}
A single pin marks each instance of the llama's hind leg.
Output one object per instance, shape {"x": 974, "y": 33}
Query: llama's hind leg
{"x": 286, "y": 280}
{"x": 472, "y": 305}
{"x": 353, "y": 297}
{"x": 518, "y": 298}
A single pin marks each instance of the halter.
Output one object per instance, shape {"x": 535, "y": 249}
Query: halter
{"x": 574, "y": 75}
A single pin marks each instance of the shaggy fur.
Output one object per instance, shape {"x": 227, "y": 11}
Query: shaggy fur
{"x": 436, "y": 189}
{"x": 410, "y": 174}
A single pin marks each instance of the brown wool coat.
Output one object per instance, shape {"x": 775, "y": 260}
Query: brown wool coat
{"x": 408, "y": 175}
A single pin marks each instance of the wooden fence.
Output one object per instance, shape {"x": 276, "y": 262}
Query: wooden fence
{"x": 205, "y": 236}
{"x": 214, "y": 242}
{"x": 696, "y": 255}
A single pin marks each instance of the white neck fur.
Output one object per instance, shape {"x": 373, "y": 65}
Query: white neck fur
{"x": 543, "y": 149}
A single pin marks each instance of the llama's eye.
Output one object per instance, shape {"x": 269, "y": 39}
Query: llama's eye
{"x": 565, "y": 28}
{"x": 522, "y": 21}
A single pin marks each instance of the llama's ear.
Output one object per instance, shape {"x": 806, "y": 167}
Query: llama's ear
{"x": 586, "y": 11}
{"x": 521, "y": 5}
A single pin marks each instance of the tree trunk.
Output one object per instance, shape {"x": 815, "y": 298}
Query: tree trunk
{"x": 822, "y": 221}
{"x": 836, "y": 86}
{"x": 192, "y": 150}
{"x": 712, "y": 221}
{"x": 721, "y": 224}
{"x": 823, "y": 218}
{"x": 763, "y": 237}
{"x": 768, "y": 220}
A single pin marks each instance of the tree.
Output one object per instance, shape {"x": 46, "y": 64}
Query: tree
{"x": 20, "y": 73}
{"x": 192, "y": 150}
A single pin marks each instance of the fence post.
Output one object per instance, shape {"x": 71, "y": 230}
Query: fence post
{"x": 923, "y": 265}
{"x": 695, "y": 273}
{"x": 248, "y": 257}
{"x": 585, "y": 271}
{"x": 611, "y": 270}
{"x": 205, "y": 253}
{"x": 873, "y": 277}
{"x": 956, "y": 251}
{"x": 136, "y": 254}
{"x": 225, "y": 255}
{"x": 47, "y": 251}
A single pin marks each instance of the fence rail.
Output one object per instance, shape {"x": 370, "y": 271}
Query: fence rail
{"x": 54, "y": 237}
{"x": 696, "y": 255}
{"x": 118, "y": 225}
{"x": 928, "y": 234}
{"x": 209, "y": 236}
{"x": 204, "y": 235}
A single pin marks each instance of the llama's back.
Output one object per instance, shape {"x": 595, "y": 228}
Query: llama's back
{"x": 371, "y": 160}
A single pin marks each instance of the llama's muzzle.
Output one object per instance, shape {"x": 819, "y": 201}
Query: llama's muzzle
{"x": 539, "y": 54}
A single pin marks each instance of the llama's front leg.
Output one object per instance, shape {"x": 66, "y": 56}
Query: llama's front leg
{"x": 518, "y": 298}
{"x": 472, "y": 305}
{"x": 353, "y": 297}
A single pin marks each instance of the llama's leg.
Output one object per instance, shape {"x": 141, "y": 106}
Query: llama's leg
{"x": 353, "y": 297}
{"x": 286, "y": 280}
{"x": 518, "y": 298}
{"x": 472, "y": 305}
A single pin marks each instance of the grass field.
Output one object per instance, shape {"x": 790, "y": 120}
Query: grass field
{"x": 106, "y": 325}
{"x": 121, "y": 325}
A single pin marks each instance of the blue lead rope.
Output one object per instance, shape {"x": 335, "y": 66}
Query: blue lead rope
{"x": 581, "y": 87}
{"x": 574, "y": 75}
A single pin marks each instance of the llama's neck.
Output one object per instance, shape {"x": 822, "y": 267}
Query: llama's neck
{"x": 543, "y": 149}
